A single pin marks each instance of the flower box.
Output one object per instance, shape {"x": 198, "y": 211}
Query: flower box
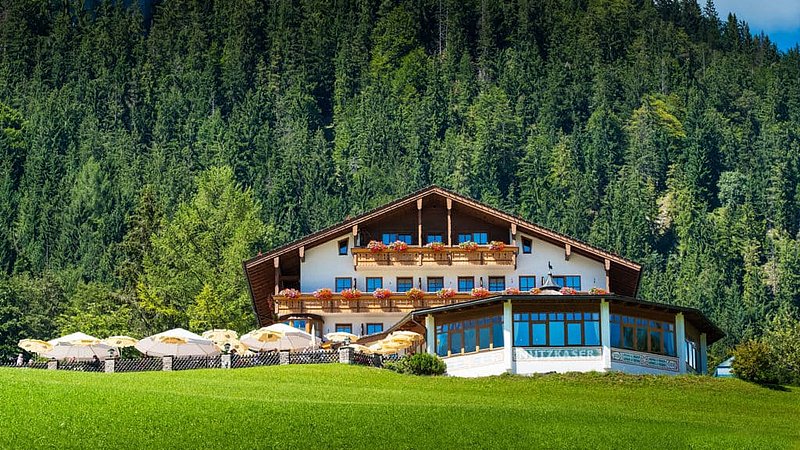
{"x": 435, "y": 246}
{"x": 376, "y": 246}
{"x": 446, "y": 293}
{"x": 351, "y": 294}
{"x": 382, "y": 294}
{"x": 398, "y": 246}
{"x": 597, "y": 291}
{"x": 323, "y": 294}
{"x": 511, "y": 291}
{"x": 468, "y": 246}
{"x": 480, "y": 292}
{"x": 415, "y": 294}
{"x": 568, "y": 291}
{"x": 497, "y": 246}
{"x": 289, "y": 293}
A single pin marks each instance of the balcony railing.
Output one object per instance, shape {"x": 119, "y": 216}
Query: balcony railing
{"x": 397, "y": 302}
{"x": 419, "y": 256}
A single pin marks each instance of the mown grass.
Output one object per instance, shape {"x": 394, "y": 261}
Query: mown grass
{"x": 335, "y": 406}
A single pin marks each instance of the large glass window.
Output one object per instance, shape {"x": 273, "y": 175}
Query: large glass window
{"x": 435, "y": 283}
{"x": 556, "y": 329}
{"x": 405, "y": 284}
{"x": 374, "y": 283}
{"x": 433, "y": 237}
{"x": 477, "y": 237}
{"x": 642, "y": 335}
{"x": 466, "y": 284}
{"x": 344, "y": 328}
{"x": 373, "y": 328}
{"x": 343, "y": 283}
{"x": 570, "y": 281}
{"x": 464, "y": 237}
{"x": 527, "y": 282}
{"x": 388, "y": 238}
{"x": 469, "y": 335}
{"x": 497, "y": 284}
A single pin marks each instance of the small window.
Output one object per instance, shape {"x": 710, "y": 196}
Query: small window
{"x": 464, "y": 237}
{"x": 480, "y": 238}
{"x": 343, "y": 246}
{"x": 388, "y": 238}
{"x": 344, "y": 328}
{"x": 570, "y": 281}
{"x": 527, "y": 282}
{"x": 404, "y": 284}
{"x": 374, "y": 283}
{"x": 373, "y": 328}
{"x": 300, "y": 324}
{"x": 527, "y": 245}
{"x": 497, "y": 284}
{"x": 435, "y": 284}
{"x": 433, "y": 237}
{"x": 466, "y": 284}
{"x": 343, "y": 283}
{"x": 404, "y": 238}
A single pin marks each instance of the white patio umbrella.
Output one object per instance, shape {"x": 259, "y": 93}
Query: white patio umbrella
{"x": 35, "y": 346}
{"x": 177, "y": 342}
{"x": 79, "y": 346}
{"x": 290, "y": 338}
{"x": 341, "y": 336}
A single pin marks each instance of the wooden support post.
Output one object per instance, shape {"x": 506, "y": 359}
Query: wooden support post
{"x": 449, "y": 223}
{"x": 567, "y": 251}
{"x": 608, "y": 278}
{"x": 277, "y": 264}
{"x": 303, "y": 253}
{"x": 513, "y": 239}
{"x": 419, "y": 222}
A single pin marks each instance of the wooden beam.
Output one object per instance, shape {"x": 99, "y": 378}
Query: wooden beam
{"x": 513, "y": 228}
{"x": 419, "y": 222}
{"x": 568, "y": 252}
{"x": 608, "y": 264}
{"x": 608, "y": 278}
{"x": 277, "y": 263}
{"x": 355, "y": 230}
{"x": 449, "y": 223}
{"x": 303, "y": 253}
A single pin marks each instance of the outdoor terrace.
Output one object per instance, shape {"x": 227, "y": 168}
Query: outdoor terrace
{"x": 365, "y": 258}
{"x": 397, "y": 302}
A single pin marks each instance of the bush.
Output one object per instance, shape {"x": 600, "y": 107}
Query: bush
{"x": 754, "y": 361}
{"x": 417, "y": 364}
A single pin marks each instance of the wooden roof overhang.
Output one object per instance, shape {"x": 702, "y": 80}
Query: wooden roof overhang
{"x": 694, "y": 316}
{"x": 261, "y": 270}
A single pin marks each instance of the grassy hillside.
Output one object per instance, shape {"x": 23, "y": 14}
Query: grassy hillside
{"x": 336, "y": 406}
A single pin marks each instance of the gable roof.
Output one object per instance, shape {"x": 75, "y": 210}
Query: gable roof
{"x": 260, "y": 271}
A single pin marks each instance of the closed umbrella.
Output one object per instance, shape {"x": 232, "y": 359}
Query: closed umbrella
{"x": 290, "y": 338}
{"x": 177, "y": 342}
{"x": 35, "y": 346}
{"x": 79, "y": 346}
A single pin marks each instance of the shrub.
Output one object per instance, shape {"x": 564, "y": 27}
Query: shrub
{"x": 753, "y": 361}
{"x": 418, "y": 364}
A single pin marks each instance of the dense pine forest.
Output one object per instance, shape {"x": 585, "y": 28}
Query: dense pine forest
{"x": 145, "y": 155}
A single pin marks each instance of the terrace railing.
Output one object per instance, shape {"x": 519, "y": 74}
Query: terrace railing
{"x": 397, "y": 302}
{"x": 196, "y": 362}
{"x": 83, "y": 366}
{"x": 363, "y": 359}
{"x": 263, "y": 359}
{"x": 314, "y": 357}
{"x": 419, "y": 256}
{"x": 138, "y": 365}
{"x": 29, "y": 365}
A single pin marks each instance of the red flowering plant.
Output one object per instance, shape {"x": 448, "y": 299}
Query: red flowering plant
{"x": 376, "y": 246}
{"x": 351, "y": 294}
{"x": 398, "y": 246}
{"x": 598, "y": 291}
{"x": 415, "y": 294}
{"x": 568, "y": 291}
{"x": 469, "y": 246}
{"x": 323, "y": 294}
{"x": 435, "y": 246}
{"x": 289, "y": 293}
{"x": 446, "y": 293}
{"x": 536, "y": 291}
{"x": 382, "y": 294}
{"x": 511, "y": 291}
{"x": 497, "y": 246}
{"x": 480, "y": 292}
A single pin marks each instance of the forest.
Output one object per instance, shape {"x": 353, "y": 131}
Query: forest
{"x": 144, "y": 156}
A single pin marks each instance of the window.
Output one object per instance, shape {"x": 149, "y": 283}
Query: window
{"x": 469, "y": 336}
{"x": 300, "y": 324}
{"x": 691, "y": 354}
{"x": 343, "y": 283}
{"x": 343, "y": 246}
{"x": 642, "y": 335}
{"x": 556, "y": 329}
{"x": 373, "y": 328}
{"x": 527, "y": 282}
{"x": 435, "y": 283}
{"x": 388, "y": 238}
{"x": 497, "y": 284}
{"x": 433, "y": 237}
{"x": 480, "y": 238}
{"x": 570, "y": 281}
{"x": 404, "y": 284}
{"x": 464, "y": 237}
{"x": 374, "y": 283}
{"x": 344, "y": 328}
{"x": 527, "y": 245}
{"x": 466, "y": 284}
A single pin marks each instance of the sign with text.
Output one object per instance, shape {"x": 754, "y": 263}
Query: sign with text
{"x": 536, "y": 353}
{"x": 645, "y": 360}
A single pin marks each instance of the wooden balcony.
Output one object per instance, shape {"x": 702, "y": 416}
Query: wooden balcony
{"x": 363, "y": 258}
{"x": 397, "y": 303}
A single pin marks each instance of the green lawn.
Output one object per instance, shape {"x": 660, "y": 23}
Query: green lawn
{"x": 335, "y": 406}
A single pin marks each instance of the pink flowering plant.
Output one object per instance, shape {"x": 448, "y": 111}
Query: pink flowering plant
{"x": 468, "y": 246}
{"x": 323, "y": 294}
{"x": 289, "y": 293}
{"x": 351, "y": 294}
{"x": 497, "y": 246}
{"x": 382, "y": 294}
{"x": 598, "y": 291}
{"x": 568, "y": 291}
{"x": 480, "y": 292}
{"x": 446, "y": 293}
{"x": 435, "y": 246}
{"x": 398, "y": 246}
{"x": 415, "y": 294}
{"x": 376, "y": 246}
{"x": 511, "y": 291}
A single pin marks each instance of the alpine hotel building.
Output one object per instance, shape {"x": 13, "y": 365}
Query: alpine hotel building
{"x": 491, "y": 292}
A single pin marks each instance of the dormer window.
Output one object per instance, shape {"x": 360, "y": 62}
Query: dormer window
{"x": 343, "y": 247}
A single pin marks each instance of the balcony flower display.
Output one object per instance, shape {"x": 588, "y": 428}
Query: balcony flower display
{"x": 415, "y": 294}
{"x": 398, "y": 246}
{"x": 446, "y": 293}
{"x": 382, "y": 294}
{"x": 480, "y": 292}
{"x": 511, "y": 291}
{"x": 497, "y": 246}
{"x": 468, "y": 246}
{"x": 568, "y": 291}
{"x": 435, "y": 246}
{"x": 376, "y": 246}
{"x": 598, "y": 291}
{"x": 323, "y": 294}
{"x": 289, "y": 293}
{"x": 536, "y": 291}
{"x": 351, "y": 294}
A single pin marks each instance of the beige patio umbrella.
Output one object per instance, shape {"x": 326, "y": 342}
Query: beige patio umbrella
{"x": 405, "y": 336}
{"x": 341, "y": 336}
{"x": 35, "y": 346}
{"x": 385, "y": 347}
{"x": 235, "y": 344}
{"x": 220, "y": 335}
{"x": 79, "y": 345}
{"x": 257, "y": 340}
{"x": 361, "y": 348}
{"x": 177, "y": 342}
{"x": 120, "y": 341}
{"x": 290, "y": 338}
